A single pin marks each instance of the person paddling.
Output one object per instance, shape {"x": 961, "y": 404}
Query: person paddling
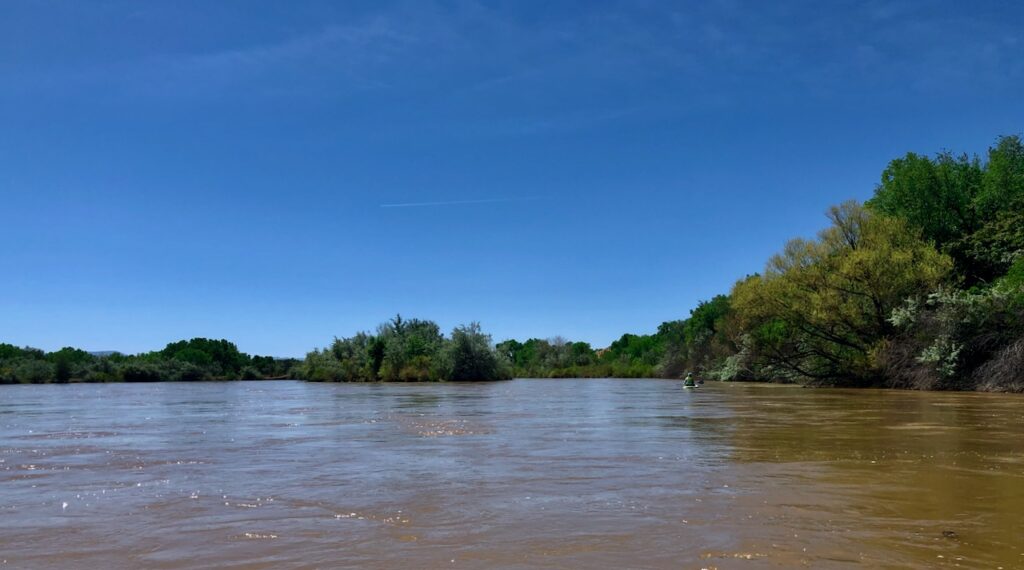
{"x": 689, "y": 382}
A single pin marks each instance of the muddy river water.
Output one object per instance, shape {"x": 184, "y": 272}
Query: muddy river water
{"x": 519, "y": 474}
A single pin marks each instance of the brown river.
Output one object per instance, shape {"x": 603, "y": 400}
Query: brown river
{"x": 519, "y": 474}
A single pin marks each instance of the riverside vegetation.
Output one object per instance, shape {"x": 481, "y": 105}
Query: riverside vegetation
{"x": 192, "y": 360}
{"x": 920, "y": 287}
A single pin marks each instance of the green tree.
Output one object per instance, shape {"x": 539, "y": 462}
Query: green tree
{"x": 470, "y": 356}
{"x": 821, "y": 310}
{"x": 69, "y": 362}
{"x": 219, "y": 357}
{"x": 988, "y": 253}
{"x": 411, "y": 350}
{"x": 698, "y": 343}
{"x": 9, "y": 351}
{"x": 934, "y": 196}
{"x": 357, "y": 357}
{"x": 1003, "y": 182}
{"x": 1014, "y": 279}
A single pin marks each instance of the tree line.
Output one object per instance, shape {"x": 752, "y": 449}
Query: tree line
{"x": 920, "y": 287}
{"x": 197, "y": 359}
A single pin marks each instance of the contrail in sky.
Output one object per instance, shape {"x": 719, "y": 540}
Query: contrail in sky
{"x": 457, "y": 202}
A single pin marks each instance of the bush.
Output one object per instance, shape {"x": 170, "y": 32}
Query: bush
{"x": 1014, "y": 278}
{"x": 31, "y": 371}
{"x": 186, "y": 372}
{"x": 99, "y": 376}
{"x": 952, "y": 339}
{"x": 250, "y": 373}
{"x": 321, "y": 366}
{"x": 140, "y": 372}
{"x": 1004, "y": 372}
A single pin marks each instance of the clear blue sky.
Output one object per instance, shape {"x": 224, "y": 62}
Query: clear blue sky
{"x": 225, "y": 169}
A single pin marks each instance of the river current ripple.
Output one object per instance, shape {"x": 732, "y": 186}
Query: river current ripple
{"x": 519, "y": 474}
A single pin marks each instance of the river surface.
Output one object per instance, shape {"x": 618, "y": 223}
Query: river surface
{"x": 519, "y": 474}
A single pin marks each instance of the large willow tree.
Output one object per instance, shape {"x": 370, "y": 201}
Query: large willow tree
{"x": 821, "y": 310}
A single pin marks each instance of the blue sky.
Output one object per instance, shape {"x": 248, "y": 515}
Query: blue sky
{"x": 278, "y": 173}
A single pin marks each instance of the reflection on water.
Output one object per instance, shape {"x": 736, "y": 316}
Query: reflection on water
{"x": 521, "y": 474}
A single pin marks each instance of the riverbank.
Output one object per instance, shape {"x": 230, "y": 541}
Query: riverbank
{"x": 708, "y": 383}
